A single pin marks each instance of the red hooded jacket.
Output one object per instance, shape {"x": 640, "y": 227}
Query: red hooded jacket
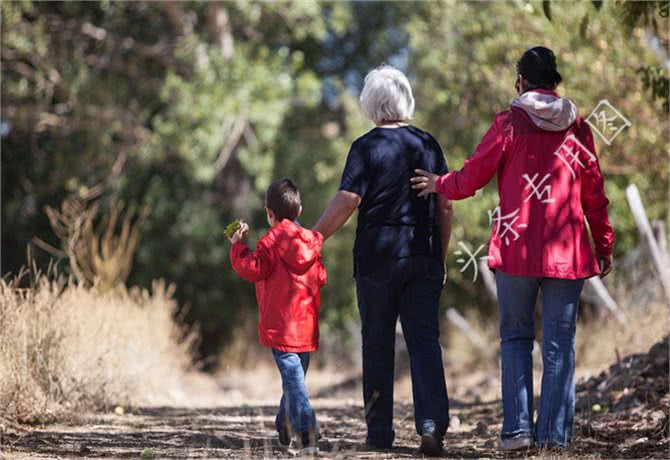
{"x": 549, "y": 180}
{"x": 288, "y": 273}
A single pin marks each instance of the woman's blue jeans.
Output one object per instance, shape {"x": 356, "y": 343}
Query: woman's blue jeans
{"x": 516, "y": 298}
{"x": 409, "y": 289}
{"x": 295, "y": 411}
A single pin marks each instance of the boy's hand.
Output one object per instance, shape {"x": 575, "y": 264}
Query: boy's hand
{"x": 241, "y": 234}
{"x": 424, "y": 181}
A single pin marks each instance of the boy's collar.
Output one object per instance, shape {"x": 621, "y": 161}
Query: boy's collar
{"x": 296, "y": 222}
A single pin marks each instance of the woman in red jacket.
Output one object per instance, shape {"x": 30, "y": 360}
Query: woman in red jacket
{"x": 549, "y": 180}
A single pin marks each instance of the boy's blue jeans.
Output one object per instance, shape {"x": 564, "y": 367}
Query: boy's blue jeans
{"x": 516, "y": 298}
{"x": 411, "y": 289}
{"x": 295, "y": 411}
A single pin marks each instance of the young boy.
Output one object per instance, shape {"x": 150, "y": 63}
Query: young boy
{"x": 288, "y": 273}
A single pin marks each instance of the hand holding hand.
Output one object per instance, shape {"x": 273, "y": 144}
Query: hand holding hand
{"x": 241, "y": 234}
{"x": 425, "y": 181}
{"x": 605, "y": 263}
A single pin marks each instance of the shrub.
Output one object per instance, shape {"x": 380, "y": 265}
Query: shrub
{"x": 65, "y": 347}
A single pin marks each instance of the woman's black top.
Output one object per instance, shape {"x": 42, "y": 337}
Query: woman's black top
{"x": 393, "y": 222}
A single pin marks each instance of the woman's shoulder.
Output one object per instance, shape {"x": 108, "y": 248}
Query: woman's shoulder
{"x": 505, "y": 116}
{"x": 582, "y": 126}
{"x": 364, "y": 139}
{"x": 429, "y": 141}
{"x": 420, "y": 132}
{"x": 407, "y": 135}
{"x": 373, "y": 139}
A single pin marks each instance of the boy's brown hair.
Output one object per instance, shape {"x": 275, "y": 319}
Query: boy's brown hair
{"x": 283, "y": 198}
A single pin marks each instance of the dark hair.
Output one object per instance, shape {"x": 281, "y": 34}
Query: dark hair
{"x": 283, "y": 198}
{"x": 538, "y": 67}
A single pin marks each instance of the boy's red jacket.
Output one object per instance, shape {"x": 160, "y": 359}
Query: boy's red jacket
{"x": 288, "y": 273}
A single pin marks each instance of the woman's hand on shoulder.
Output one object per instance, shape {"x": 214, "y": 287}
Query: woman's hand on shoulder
{"x": 424, "y": 181}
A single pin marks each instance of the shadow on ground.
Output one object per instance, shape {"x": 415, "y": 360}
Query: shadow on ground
{"x": 631, "y": 422}
{"x": 248, "y": 432}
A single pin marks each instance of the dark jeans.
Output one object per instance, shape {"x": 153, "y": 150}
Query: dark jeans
{"x": 411, "y": 290}
{"x": 516, "y": 298}
{"x": 295, "y": 411}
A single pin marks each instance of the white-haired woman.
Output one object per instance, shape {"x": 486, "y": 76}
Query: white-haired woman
{"x": 399, "y": 256}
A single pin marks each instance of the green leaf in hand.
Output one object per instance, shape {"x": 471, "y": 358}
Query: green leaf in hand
{"x": 232, "y": 227}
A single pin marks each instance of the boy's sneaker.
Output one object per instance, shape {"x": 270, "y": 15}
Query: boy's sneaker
{"x": 518, "y": 442}
{"x": 308, "y": 444}
{"x": 284, "y": 439}
{"x": 312, "y": 451}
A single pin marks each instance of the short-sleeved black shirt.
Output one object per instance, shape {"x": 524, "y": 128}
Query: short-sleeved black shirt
{"x": 393, "y": 222}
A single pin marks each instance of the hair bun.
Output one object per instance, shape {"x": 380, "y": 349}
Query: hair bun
{"x": 538, "y": 66}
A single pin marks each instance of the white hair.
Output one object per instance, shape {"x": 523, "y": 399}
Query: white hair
{"x": 387, "y": 95}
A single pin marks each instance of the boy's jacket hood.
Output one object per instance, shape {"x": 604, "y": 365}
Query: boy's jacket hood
{"x": 547, "y": 110}
{"x": 296, "y": 246}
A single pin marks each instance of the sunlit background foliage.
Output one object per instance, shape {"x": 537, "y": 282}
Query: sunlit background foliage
{"x": 190, "y": 109}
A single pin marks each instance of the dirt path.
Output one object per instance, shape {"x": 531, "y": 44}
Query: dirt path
{"x": 631, "y": 421}
{"x": 247, "y": 432}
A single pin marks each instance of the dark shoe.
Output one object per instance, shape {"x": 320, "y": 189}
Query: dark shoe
{"x": 381, "y": 442}
{"x": 284, "y": 438}
{"x": 376, "y": 446}
{"x": 431, "y": 443}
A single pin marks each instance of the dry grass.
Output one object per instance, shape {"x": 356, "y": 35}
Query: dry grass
{"x": 66, "y": 348}
{"x": 102, "y": 255}
{"x": 600, "y": 343}
{"x": 600, "y": 339}
{"x": 461, "y": 353}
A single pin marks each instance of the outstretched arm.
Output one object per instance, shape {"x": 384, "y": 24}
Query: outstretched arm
{"x": 476, "y": 172}
{"x": 251, "y": 266}
{"x": 341, "y": 207}
{"x": 352, "y": 188}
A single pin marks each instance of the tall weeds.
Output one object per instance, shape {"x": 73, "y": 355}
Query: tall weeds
{"x": 65, "y": 347}
{"x": 102, "y": 256}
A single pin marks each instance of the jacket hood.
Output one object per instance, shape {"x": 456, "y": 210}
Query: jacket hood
{"x": 298, "y": 247}
{"x": 547, "y": 110}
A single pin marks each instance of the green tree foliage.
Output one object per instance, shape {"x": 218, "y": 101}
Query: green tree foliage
{"x": 192, "y": 108}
